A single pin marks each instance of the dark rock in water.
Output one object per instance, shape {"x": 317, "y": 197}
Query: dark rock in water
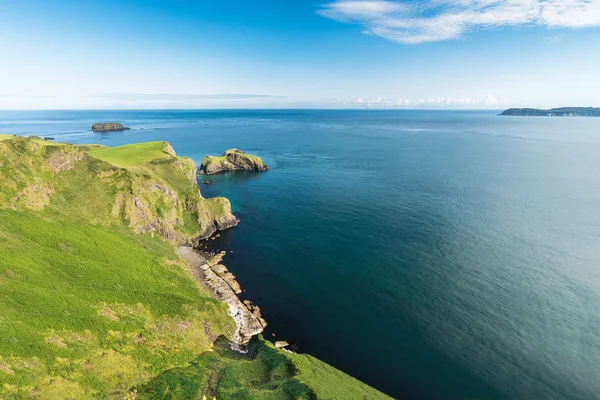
{"x": 48, "y": 138}
{"x": 206, "y": 182}
{"x": 232, "y": 160}
{"x": 108, "y": 127}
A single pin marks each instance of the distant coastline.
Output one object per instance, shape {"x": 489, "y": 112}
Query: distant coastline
{"x": 554, "y": 112}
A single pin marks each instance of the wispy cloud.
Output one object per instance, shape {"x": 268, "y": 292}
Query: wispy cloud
{"x": 25, "y": 96}
{"x": 431, "y": 102}
{"x": 554, "y": 39}
{"x": 184, "y": 97}
{"x": 410, "y": 22}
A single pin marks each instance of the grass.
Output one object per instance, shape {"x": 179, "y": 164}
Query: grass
{"x": 99, "y": 309}
{"x": 327, "y": 382}
{"x": 158, "y": 195}
{"x": 131, "y": 155}
{"x": 214, "y": 159}
{"x": 265, "y": 373}
{"x": 38, "y": 140}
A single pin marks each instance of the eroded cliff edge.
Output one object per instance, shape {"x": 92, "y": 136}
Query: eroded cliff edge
{"x": 145, "y": 186}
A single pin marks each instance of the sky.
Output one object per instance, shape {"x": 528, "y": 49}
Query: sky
{"x": 147, "y": 54}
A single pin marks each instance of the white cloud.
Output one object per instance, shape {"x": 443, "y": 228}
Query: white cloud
{"x": 431, "y": 102}
{"x": 436, "y": 20}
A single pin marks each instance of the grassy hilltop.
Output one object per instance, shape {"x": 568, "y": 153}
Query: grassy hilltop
{"x": 94, "y": 301}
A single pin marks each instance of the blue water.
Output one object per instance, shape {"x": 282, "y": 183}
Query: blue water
{"x": 434, "y": 255}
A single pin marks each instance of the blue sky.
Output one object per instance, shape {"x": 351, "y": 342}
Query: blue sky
{"x": 302, "y": 53}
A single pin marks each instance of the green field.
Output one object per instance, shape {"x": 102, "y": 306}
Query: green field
{"x": 94, "y": 301}
{"x": 131, "y": 155}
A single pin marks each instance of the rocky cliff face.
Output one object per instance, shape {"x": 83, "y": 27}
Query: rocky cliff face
{"x": 232, "y": 160}
{"x": 108, "y": 126}
{"x": 159, "y": 197}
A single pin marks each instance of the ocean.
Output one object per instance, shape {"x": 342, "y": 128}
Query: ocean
{"x": 431, "y": 254}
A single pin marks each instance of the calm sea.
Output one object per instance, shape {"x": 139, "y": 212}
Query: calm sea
{"x": 432, "y": 254}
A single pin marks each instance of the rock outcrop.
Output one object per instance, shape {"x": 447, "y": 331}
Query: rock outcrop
{"x": 232, "y": 160}
{"x": 109, "y": 127}
{"x": 222, "y": 285}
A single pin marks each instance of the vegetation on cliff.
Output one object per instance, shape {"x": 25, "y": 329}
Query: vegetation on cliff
{"x": 145, "y": 186}
{"x": 96, "y": 303}
{"x": 232, "y": 160}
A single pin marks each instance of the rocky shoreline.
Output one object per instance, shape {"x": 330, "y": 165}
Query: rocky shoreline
{"x": 222, "y": 285}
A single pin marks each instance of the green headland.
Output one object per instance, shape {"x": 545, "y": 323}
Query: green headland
{"x": 232, "y": 160}
{"x": 96, "y": 303}
{"x": 554, "y": 112}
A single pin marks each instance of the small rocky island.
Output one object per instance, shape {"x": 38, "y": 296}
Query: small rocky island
{"x": 554, "y": 112}
{"x": 109, "y": 127}
{"x": 232, "y": 160}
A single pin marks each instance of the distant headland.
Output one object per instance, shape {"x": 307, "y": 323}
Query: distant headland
{"x": 108, "y": 127}
{"x": 554, "y": 112}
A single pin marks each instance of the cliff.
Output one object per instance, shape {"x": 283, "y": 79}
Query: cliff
{"x": 232, "y": 160}
{"x": 146, "y": 186}
{"x": 554, "y": 112}
{"x": 108, "y": 127}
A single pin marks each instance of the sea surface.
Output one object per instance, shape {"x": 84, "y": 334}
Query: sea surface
{"x": 432, "y": 254}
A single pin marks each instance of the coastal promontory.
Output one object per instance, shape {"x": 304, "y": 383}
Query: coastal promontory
{"x": 105, "y": 294}
{"x": 554, "y": 112}
{"x": 232, "y": 160}
{"x": 109, "y": 127}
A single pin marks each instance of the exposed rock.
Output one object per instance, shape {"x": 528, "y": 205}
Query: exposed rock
{"x": 281, "y": 344}
{"x": 62, "y": 160}
{"x": 247, "y": 323}
{"x": 160, "y": 197}
{"x": 228, "y": 277}
{"x": 232, "y": 160}
{"x": 220, "y": 219}
{"x": 108, "y": 127}
{"x": 35, "y": 196}
{"x": 167, "y": 148}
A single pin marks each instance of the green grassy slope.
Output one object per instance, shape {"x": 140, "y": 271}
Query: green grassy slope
{"x": 130, "y": 155}
{"x": 94, "y": 311}
{"x": 91, "y": 308}
{"x": 265, "y": 373}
